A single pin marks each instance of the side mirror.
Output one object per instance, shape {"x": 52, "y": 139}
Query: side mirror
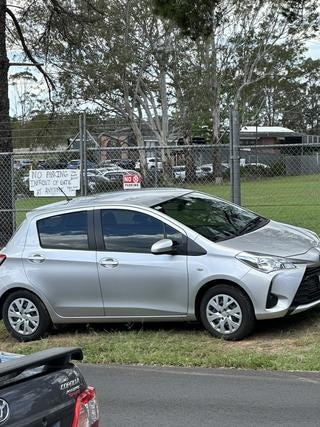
{"x": 162, "y": 246}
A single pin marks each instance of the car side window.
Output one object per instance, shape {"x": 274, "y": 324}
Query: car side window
{"x": 130, "y": 231}
{"x": 65, "y": 231}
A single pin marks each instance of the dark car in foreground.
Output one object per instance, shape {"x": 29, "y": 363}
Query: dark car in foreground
{"x": 46, "y": 389}
{"x": 155, "y": 255}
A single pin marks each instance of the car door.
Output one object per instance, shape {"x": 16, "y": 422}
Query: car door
{"x": 60, "y": 262}
{"x": 135, "y": 282}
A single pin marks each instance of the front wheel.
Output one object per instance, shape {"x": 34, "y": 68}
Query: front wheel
{"x": 25, "y": 316}
{"x": 226, "y": 312}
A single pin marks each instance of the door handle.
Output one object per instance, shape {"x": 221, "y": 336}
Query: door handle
{"x": 36, "y": 258}
{"x": 109, "y": 262}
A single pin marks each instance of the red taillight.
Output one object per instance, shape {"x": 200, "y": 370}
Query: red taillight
{"x": 2, "y": 258}
{"x": 86, "y": 410}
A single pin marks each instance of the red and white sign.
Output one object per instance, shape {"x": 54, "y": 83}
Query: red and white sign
{"x": 131, "y": 182}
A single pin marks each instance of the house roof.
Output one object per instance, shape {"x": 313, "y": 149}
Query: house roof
{"x": 279, "y": 132}
{"x": 266, "y": 130}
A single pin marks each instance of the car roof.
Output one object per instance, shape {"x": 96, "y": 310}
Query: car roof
{"x": 144, "y": 197}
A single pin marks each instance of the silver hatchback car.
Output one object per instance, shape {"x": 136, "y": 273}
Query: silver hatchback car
{"x": 155, "y": 255}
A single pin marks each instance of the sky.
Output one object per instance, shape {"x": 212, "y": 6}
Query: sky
{"x": 314, "y": 49}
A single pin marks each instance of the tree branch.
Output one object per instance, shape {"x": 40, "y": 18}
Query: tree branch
{"x": 49, "y": 82}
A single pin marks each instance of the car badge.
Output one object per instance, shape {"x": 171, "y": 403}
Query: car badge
{"x": 4, "y": 411}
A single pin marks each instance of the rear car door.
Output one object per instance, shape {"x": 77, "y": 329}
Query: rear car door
{"x": 135, "y": 282}
{"x": 60, "y": 262}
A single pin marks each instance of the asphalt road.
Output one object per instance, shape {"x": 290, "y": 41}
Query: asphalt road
{"x": 145, "y": 396}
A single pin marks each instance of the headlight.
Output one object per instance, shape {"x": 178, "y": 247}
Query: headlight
{"x": 265, "y": 263}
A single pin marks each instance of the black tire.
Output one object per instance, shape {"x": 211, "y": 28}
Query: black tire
{"x": 25, "y": 326}
{"x": 226, "y": 312}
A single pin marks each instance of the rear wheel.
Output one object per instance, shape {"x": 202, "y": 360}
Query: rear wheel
{"x": 25, "y": 316}
{"x": 226, "y": 312}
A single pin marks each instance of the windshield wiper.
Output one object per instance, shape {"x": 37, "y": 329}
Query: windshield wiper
{"x": 252, "y": 224}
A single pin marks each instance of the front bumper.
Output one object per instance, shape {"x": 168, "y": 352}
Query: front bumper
{"x": 308, "y": 293}
{"x": 291, "y": 292}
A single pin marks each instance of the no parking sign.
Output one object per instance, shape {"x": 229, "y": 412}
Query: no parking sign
{"x": 131, "y": 182}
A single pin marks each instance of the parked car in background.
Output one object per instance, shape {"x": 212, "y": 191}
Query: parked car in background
{"x": 179, "y": 172}
{"x": 155, "y": 254}
{"x": 22, "y": 164}
{"x": 122, "y": 163}
{"x": 49, "y": 164}
{"x": 126, "y": 163}
{"x": 207, "y": 169}
{"x": 152, "y": 163}
{"x": 107, "y": 180}
{"x": 201, "y": 172}
{"x": 259, "y": 165}
{"x": 75, "y": 164}
{"x": 46, "y": 389}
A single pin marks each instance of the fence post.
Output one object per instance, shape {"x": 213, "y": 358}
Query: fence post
{"x": 236, "y": 191}
{"x": 156, "y": 167}
{"x": 85, "y": 156}
{"x": 82, "y": 152}
{"x": 231, "y": 153}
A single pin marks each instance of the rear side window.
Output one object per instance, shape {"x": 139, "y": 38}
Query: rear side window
{"x": 66, "y": 231}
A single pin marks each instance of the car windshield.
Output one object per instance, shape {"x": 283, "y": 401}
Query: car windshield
{"x": 211, "y": 217}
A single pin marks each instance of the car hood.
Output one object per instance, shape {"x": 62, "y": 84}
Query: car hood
{"x": 275, "y": 238}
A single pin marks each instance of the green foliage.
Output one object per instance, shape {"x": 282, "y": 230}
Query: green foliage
{"x": 194, "y": 18}
{"x": 44, "y": 130}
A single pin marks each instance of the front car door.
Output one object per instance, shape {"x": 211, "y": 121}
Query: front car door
{"x": 135, "y": 282}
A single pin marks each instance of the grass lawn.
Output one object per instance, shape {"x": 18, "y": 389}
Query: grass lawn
{"x": 25, "y": 205}
{"x": 286, "y": 344}
{"x": 292, "y": 343}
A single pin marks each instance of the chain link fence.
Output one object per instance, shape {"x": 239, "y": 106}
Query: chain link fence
{"x": 281, "y": 181}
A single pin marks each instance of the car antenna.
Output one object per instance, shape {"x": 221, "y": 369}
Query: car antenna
{"x": 67, "y": 197}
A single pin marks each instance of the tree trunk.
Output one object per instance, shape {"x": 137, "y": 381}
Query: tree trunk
{"x": 6, "y": 189}
{"x": 164, "y": 134}
{"x": 215, "y": 85}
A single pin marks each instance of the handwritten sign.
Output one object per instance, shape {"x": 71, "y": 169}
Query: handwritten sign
{"x": 46, "y": 183}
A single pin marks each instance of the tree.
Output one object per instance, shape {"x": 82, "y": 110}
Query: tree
{"x": 245, "y": 44}
{"x": 292, "y": 101}
{"x": 197, "y": 19}
{"x": 57, "y": 13}
{"x": 123, "y": 66}
{"x": 27, "y": 96}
